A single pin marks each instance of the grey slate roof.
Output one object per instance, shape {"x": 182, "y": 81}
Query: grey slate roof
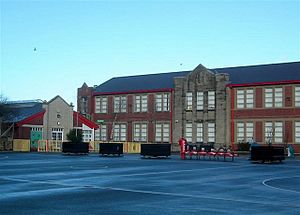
{"x": 18, "y": 111}
{"x": 238, "y": 75}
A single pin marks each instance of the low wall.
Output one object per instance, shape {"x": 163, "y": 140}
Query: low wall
{"x": 20, "y": 145}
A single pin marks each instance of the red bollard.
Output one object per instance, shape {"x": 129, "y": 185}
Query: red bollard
{"x": 182, "y": 142}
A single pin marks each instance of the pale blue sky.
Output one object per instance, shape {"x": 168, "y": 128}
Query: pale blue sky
{"x": 93, "y": 41}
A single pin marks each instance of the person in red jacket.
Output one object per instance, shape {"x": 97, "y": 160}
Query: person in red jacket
{"x": 182, "y": 142}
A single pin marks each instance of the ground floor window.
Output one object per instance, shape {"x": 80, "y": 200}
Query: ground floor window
{"x": 57, "y": 133}
{"x": 273, "y": 132}
{"x": 189, "y": 132}
{"x": 87, "y": 135}
{"x": 140, "y": 132}
{"x": 120, "y": 131}
{"x": 199, "y": 136}
{"x": 211, "y": 131}
{"x": 297, "y": 132}
{"x": 245, "y": 131}
{"x": 101, "y": 133}
{"x": 162, "y": 132}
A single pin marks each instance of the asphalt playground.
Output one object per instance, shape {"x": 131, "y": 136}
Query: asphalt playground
{"x": 40, "y": 183}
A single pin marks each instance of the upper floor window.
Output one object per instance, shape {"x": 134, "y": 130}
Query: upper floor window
{"x": 140, "y": 132}
{"x": 162, "y": 132}
{"x": 211, "y": 100}
{"x": 297, "y": 96}
{"x": 273, "y": 97}
{"x": 162, "y": 102}
{"x": 84, "y": 105}
{"x": 200, "y": 101}
{"x": 120, "y": 104}
{"x": 245, "y": 98}
{"x": 100, "y": 104}
{"x": 141, "y": 103}
{"x": 189, "y": 101}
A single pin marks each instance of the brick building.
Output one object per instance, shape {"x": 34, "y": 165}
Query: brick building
{"x": 220, "y": 106}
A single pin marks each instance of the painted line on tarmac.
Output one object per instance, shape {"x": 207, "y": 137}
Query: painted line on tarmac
{"x": 264, "y": 182}
{"x": 196, "y": 196}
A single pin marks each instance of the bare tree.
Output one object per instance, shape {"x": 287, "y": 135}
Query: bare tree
{"x": 3, "y": 109}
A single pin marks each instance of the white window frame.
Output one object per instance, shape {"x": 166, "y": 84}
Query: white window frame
{"x": 87, "y": 135}
{"x": 273, "y": 97}
{"x": 211, "y": 100}
{"x": 200, "y": 100}
{"x": 189, "y": 132}
{"x": 189, "y": 101}
{"x": 199, "y": 136}
{"x": 274, "y": 132}
{"x": 297, "y": 132}
{"x": 57, "y": 134}
{"x": 100, "y": 104}
{"x": 249, "y": 98}
{"x": 162, "y": 102}
{"x": 240, "y": 99}
{"x": 211, "y": 132}
{"x": 245, "y": 98}
{"x": 140, "y": 131}
{"x": 120, "y": 104}
{"x": 240, "y": 132}
{"x": 120, "y": 132}
{"x": 297, "y": 96}
{"x": 101, "y": 133}
{"x": 140, "y": 103}
{"x": 162, "y": 132}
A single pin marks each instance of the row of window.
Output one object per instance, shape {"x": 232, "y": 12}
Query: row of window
{"x": 210, "y": 130}
{"x": 200, "y": 100}
{"x": 162, "y": 103}
{"x": 273, "y": 132}
{"x": 273, "y": 97}
{"x": 140, "y": 132}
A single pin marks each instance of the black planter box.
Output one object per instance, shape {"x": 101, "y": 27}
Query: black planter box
{"x": 156, "y": 150}
{"x": 75, "y": 148}
{"x": 111, "y": 149}
{"x": 267, "y": 153}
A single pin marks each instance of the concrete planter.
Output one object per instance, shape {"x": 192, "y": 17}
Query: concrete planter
{"x": 75, "y": 148}
{"x": 155, "y": 150}
{"x": 111, "y": 149}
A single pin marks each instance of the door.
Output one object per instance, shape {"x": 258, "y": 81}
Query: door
{"x": 36, "y": 134}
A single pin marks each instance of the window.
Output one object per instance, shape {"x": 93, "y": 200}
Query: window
{"x": 211, "y": 132}
{"x": 57, "y": 133}
{"x": 240, "y": 132}
{"x": 120, "y": 104}
{"x": 189, "y": 101}
{"x": 273, "y": 132}
{"x": 140, "y": 132}
{"x": 211, "y": 100}
{"x": 297, "y": 96}
{"x": 189, "y": 132}
{"x": 87, "y": 135}
{"x": 249, "y": 98}
{"x": 278, "y": 97}
{"x": 273, "y": 97}
{"x": 101, "y": 133}
{"x": 40, "y": 129}
{"x": 101, "y": 104}
{"x": 162, "y": 102}
{"x": 120, "y": 131}
{"x": 245, "y": 98}
{"x": 297, "y": 132}
{"x": 240, "y": 98}
{"x": 141, "y": 103}
{"x": 245, "y": 131}
{"x": 162, "y": 132}
{"x": 199, "y": 132}
{"x": 84, "y": 105}
{"x": 200, "y": 101}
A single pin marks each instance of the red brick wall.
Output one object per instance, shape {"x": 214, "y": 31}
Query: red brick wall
{"x": 258, "y": 132}
{"x": 258, "y": 97}
{"x": 288, "y": 95}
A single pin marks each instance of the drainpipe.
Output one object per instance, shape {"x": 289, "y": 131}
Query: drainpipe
{"x": 232, "y": 116}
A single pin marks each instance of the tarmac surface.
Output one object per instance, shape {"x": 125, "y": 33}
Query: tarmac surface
{"x": 37, "y": 183}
